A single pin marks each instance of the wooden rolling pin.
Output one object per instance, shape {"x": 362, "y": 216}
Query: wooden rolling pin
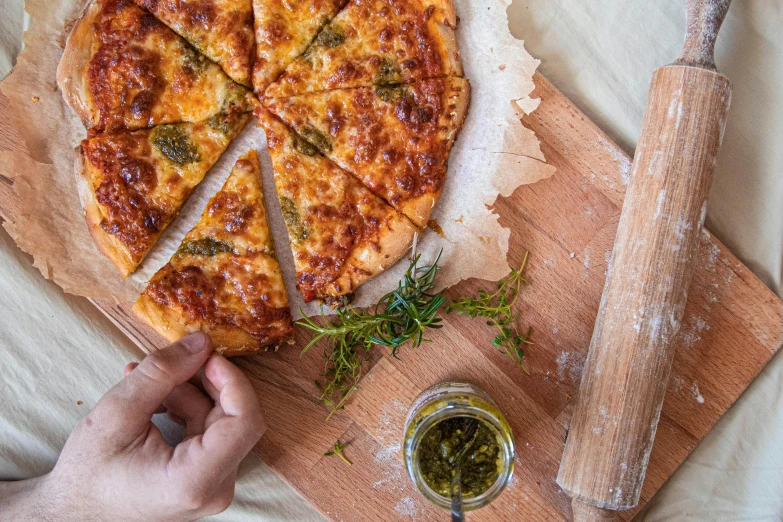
{"x": 631, "y": 352}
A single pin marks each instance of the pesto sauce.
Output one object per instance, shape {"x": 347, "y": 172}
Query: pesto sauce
{"x": 173, "y": 143}
{"x": 388, "y": 73}
{"x": 479, "y": 466}
{"x": 204, "y": 247}
{"x": 330, "y": 36}
{"x": 221, "y": 122}
{"x": 296, "y": 226}
{"x": 320, "y": 140}
{"x": 304, "y": 147}
{"x": 391, "y": 94}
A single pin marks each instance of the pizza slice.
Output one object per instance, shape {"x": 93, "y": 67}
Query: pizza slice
{"x": 284, "y": 29}
{"x": 122, "y": 69}
{"x": 396, "y": 140}
{"x": 224, "y": 279}
{"x": 376, "y": 42}
{"x": 341, "y": 234}
{"x": 220, "y": 29}
{"x": 135, "y": 182}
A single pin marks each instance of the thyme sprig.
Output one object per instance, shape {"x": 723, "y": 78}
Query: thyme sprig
{"x": 338, "y": 450}
{"x": 498, "y": 309}
{"x": 399, "y": 317}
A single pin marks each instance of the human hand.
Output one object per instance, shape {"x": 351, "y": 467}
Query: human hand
{"x": 116, "y": 466}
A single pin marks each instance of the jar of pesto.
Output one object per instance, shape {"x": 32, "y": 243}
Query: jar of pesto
{"x": 436, "y": 431}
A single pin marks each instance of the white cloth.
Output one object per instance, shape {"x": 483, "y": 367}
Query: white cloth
{"x": 601, "y": 54}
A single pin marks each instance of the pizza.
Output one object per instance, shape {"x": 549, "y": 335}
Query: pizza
{"x": 124, "y": 69}
{"x": 284, "y": 29}
{"x": 341, "y": 234}
{"x": 135, "y": 182}
{"x": 394, "y": 139}
{"x": 224, "y": 279}
{"x": 361, "y": 102}
{"x": 222, "y": 30}
{"x": 376, "y": 42}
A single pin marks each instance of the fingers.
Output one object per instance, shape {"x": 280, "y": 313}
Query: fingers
{"x": 229, "y": 438}
{"x": 188, "y": 405}
{"x": 128, "y": 407}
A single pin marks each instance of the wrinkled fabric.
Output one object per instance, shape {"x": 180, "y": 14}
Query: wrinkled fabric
{"x": 57, "y": 349}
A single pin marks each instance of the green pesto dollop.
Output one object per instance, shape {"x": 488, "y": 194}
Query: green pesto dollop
{"x": 388, "y": 72}
{"x": 221, "y": 122}
{"x": 320, "y": 140}
{"x": 391, "y": 94}
{"x": 303, "y": 146}
{"x": 441, "y": 444}
{"x": 173, "y": 143}
{"x": 204, "y": 247}
{"x": 330, "y": 36}
{"x": 193, "y": 60}
{"x": 296, "y": 226}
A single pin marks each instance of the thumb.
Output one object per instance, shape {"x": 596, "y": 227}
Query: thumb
{"x": 132, "y": 402}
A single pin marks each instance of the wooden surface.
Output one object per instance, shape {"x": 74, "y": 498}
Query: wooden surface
{"x": 733, "y": 325}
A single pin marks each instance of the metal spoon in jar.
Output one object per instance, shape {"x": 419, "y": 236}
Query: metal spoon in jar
{"x": 457, "y": 513}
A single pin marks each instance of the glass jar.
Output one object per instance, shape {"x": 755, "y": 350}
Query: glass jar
{"x": 444, "y": 401}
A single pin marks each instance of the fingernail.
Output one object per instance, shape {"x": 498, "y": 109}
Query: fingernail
{"x": 195, "y": 342}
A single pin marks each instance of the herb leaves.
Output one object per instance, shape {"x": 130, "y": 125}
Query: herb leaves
{"x": 403, "y": 316}
{"x": 400, "y": 317}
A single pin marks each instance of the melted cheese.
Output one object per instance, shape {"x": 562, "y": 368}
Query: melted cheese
{"x": 142, "y": 178}
{"x": 240, "y": 287}
{"x": 220, "y": 29}
{"x": 395, "y": 140}
{"x": 375, "y": 42}
{"x": 284, "y": 29}
{"x": 142, "y": 74}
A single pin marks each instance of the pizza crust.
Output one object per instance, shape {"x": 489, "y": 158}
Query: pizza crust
{"x": 447, "y": 33}
{"x": 72, "y": 69}
{"x": 109, "y": 245}
{"x": 228, "y": 341}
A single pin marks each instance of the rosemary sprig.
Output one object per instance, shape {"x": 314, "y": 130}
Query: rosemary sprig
{"x": 338, "y": 450}
{"x": 497, "y": 308}
{"x": 399, "y": 317}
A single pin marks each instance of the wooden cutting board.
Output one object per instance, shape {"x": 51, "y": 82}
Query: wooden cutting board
{"x": 733, "y": 326}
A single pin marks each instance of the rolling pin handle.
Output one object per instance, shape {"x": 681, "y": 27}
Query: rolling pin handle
{"x": 584, "y": 512}
{"x": 703, "y": 22}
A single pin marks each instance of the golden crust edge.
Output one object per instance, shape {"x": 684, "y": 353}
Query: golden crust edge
{"x": 72, "y": 69}
{"x": 109, "y": 246}
{"x": 448, "y": 33}
{"x": 226, "y": 341}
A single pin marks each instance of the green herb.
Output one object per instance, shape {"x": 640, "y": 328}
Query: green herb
{"x": 400, "y": 317}
{"x": 320, "y": 140}
{"x": 304, "y": 147}
{"x": 338, "y": 450}
{"x": 204, "y": 247}
{"x": 330, "y": 36}
{"x": 388, "y": 72}
{"x": 296, "y": 225}
{"x": 391, "y": 94}
{"x": 221, "y": 122}
{"x": 173, "y": 142}
{"x": 497, "y": 308}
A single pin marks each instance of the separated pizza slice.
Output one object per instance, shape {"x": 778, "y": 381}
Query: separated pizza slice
{"x": 284, "y": 29}
{"x": 220, "y": 29}
{"x": 135, "y": 182}
{"x": 395, "y": 140}
{"x": 224, "y": 279}
{"x": 341, "y": 234}
{"x": 122, "y": 69}
{"x": 376, "y": 42}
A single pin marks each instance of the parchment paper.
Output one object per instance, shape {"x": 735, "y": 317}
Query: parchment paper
{"x": 494, "y": 155}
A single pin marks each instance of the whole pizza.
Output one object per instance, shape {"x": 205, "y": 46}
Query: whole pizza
{"x": 361, "y": 102}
